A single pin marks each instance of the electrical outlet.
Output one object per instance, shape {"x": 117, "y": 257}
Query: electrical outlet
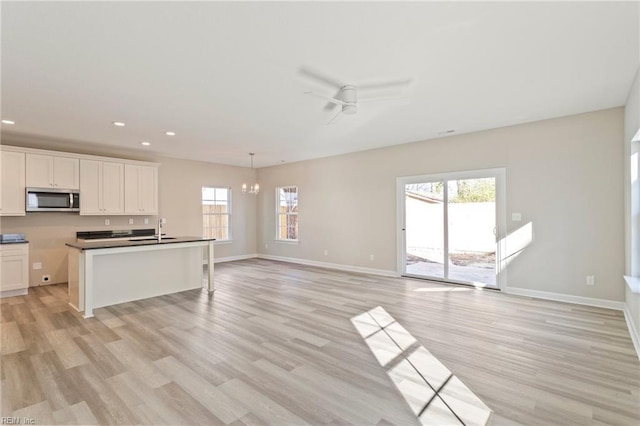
{"x": 107, "y": 222}
{"x": 163, "y": 220}
{"x": 326, "y": 252}
{"x": 146, "y": 220}
{"x": 371, "y": 257}
{"x": 591, "y": 280}
{"x": 130, "y": 221}
{"x": 266, "y": 246}
{"x": 37, "y": 265}
{"x": 46, "y": 278}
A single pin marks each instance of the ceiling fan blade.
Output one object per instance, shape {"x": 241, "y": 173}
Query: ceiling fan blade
{"x": 326, "y": 98}
{"x": 320, "y": 77}
{"x": 386, "y": 98}
{"x": 330, "y": 106}
{"x": 336, "y": 117}
{"x": 401, "y": 82}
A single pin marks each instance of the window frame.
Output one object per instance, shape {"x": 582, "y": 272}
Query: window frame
{"x": 279, "y": 214}
{"x": 228, "y": 214}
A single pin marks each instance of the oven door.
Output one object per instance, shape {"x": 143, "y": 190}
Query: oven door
{"x": 52, "y": 200}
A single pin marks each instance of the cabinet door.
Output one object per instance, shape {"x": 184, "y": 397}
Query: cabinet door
{"x": 112, "y": 188}
{"x": 66, "y": 173}
{"x": 90, "y": 187}
{"x": 15, "y": 272}
{"x": 39, "y": 171}
{"x": 131, "y": 189}
{"x": 140, "y": 189}
{"x": 12, "y": 183}
{"x": 148, "y": 189}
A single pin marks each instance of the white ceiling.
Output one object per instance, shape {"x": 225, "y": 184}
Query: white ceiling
{"x": 226, "y": 77}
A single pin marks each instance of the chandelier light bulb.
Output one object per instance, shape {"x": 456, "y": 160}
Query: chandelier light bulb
{"x": 254, "y": 188}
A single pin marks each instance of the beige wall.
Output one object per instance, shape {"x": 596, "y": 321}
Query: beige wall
{"x": 563, "y": 176}
{"x": 180, "y": 183}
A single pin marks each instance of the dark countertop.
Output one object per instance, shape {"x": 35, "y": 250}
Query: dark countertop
{"x": 151, "y": 242}
{"x": 14, "y": 242}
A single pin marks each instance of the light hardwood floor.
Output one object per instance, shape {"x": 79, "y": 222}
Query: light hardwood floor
{"x": 275, "y": 345}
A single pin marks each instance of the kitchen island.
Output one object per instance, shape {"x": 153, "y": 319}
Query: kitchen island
{"x": 109, "y": 272}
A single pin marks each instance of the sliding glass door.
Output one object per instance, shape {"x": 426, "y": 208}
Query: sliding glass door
{"x": 450, "y": 226}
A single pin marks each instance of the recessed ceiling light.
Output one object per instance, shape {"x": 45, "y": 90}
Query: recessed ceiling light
{"x": 145, "y": 143}
{"x": 170, "y": 133}
{"x": 118, "y": 123}
{"x": 8, "y": 122}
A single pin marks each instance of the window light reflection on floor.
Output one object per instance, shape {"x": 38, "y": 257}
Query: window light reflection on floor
{"x": 434, "y": 394}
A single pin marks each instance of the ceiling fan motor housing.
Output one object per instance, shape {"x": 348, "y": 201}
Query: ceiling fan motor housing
{"x": 350, "y": 98}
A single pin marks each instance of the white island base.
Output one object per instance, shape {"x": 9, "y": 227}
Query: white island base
{"x": 107, "y": 276}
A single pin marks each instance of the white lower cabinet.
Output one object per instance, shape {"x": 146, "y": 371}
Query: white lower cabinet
{"x": 14, "y": 269}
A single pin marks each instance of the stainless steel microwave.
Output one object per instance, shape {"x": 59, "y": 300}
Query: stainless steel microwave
{"x": 52, "y": 200}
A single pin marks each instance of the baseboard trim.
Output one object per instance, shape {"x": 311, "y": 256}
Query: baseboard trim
{"x": 635, "y": 337}
{"x": 568, "y": 298}
{"x": 338, "y": 266}
{"x": 232, "y": 258}
{"x": 14, "y": 293}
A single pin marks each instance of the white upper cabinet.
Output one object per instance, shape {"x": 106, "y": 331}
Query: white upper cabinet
{"x": 47, "y": 171}
{"x": 12, "y": 185}
{"x": 108, "y": 186}
{"x": 66, "y": 173}
{"x": 112, "y": 187}
{"x": 140, "y": 189}
{"x": 102, "y": 187}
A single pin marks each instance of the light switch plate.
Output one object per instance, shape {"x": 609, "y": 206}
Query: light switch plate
{"x": 516, "y": 217}
{"x": 37, "y": 265}
{"x": 130, "y": 221}
{"x": 107, "y": 222}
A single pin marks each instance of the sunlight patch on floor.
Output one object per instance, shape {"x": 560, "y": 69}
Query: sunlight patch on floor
{"x": 434, "y": 394}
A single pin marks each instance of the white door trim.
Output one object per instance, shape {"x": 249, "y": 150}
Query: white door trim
{"x": 501, "y": 212}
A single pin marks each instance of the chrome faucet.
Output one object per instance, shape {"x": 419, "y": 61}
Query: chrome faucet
{"x": 159, "y": 229}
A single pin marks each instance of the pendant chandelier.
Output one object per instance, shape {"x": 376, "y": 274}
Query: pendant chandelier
{"x": 254, "y": 188}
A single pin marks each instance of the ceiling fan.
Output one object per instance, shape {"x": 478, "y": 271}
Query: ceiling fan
{"x": 347, "y": 96}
